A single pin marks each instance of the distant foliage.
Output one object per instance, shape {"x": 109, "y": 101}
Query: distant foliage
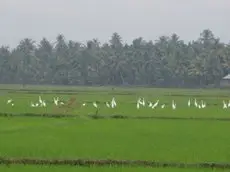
{"x": 167, "y": 62}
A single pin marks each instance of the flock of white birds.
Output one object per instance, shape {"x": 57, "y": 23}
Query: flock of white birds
{"x": 113, "y": 104}
{"x": 200, "y": 105}
{"x": 57, "y": 102}
{"x": 141, "y": 102}
{"x": 40, "y": 103}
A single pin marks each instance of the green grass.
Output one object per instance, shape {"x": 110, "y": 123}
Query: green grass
{"x": 183, "y": 141}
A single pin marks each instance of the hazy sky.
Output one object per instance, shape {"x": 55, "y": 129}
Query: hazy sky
{"x": 82, "y": 20}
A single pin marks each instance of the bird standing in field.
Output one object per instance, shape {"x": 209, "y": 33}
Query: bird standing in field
{"x": 113, "y": 103}
{"x": 95, "y": 104}
{"x": 155, "y": 104}
{"x": 189, "y": 103}
{"x": 9, "y": 101}
{"x": 138, "y": 104}
{"x": 107, "y": 104}
{"x": 173, "y": 105}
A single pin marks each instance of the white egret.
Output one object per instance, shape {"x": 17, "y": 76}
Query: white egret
{"x": 95, "y": 104}
{"x": 155, "y": 104}
{"x": 173, "y": 105}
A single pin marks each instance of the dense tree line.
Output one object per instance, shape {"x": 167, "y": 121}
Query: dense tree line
{"x": 166, "y": 62}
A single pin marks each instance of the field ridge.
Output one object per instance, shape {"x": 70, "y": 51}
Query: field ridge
{"x": 93, "y": 116}
{"x": 111, "y": 162}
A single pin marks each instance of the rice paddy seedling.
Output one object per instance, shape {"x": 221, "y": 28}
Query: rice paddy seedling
{"x": 186, "y": 126}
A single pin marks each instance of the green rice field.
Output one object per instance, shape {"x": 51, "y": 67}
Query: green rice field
{"x": 175, "y": 138}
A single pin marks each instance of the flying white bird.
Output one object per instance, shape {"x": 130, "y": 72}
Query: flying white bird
{"x": 141, "y": 101}
{"x": 229, "y": 103}
{"x": 56, "y": 101}
{"x": 224, "y": 105}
